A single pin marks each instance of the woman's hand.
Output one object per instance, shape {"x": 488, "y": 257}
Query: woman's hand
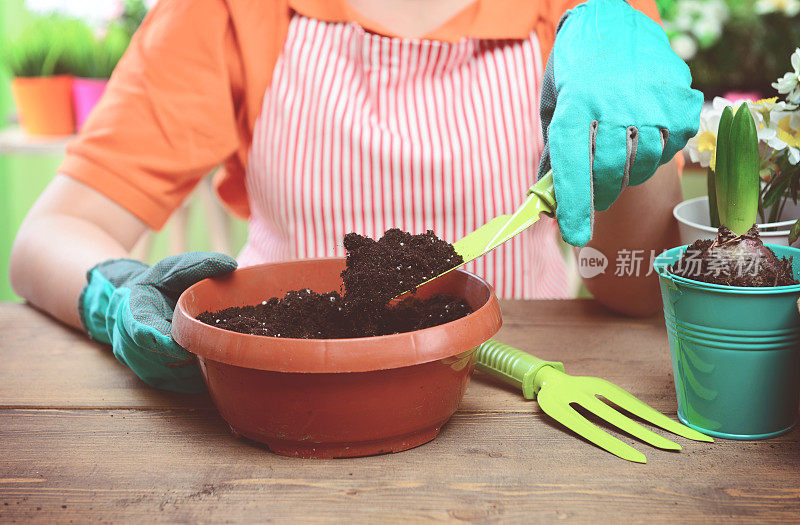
{"x": 630, "y": 234}
{"x": 126, "y": 303}
{"x": 617, "y": 103}
{"x": 129, "y": 305}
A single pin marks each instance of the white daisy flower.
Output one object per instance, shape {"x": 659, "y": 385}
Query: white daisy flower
{"x": 789, "y": 84}
{"x": 702, "y": 148}
{"x": 786, "y": 125}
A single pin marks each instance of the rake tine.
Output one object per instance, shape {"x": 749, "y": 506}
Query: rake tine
{"x": 625, "y": 400}
{"x": 626, "y": 424}
{"x": 568, "y": 417}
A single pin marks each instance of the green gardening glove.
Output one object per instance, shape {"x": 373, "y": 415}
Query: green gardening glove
{"x": 616, "y": 103}
{"x": 129, "y": 305}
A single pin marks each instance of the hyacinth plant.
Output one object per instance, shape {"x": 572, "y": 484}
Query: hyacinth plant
{"x": 736, "y": 256}
{"x": 777, "y": 128}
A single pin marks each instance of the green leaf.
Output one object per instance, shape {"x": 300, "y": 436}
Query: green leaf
{"x": 54, "y": 45}
{"x": 713, "y": 212}
{"x": 739, "y": 203}
{"x": 794, "y": 233}
{"x": 721, "y": 162}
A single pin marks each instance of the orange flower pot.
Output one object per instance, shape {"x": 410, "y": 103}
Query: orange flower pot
{"x": 44, "y": 104}
{"x": 326, "y": 398}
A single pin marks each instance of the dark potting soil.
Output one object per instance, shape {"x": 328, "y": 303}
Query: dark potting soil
{"x": 733, "y": 260}
{"x": 375, "y": 272}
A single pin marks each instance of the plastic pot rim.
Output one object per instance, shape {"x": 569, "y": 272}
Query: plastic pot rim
{"x": 44, "y": 77}
{"x": 764, "y": 228}
{"x": 361, "y": 354}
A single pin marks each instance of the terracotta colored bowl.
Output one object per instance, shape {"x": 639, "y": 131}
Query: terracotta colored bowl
{"x": 326, "y": 398}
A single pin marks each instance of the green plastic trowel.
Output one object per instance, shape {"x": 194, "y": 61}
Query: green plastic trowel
{"x": 541, "y": 199}
{"x": 546, "y": 382}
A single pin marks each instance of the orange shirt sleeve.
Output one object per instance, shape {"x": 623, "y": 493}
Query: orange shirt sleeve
{"x": 168, "y": 116}
{"x": 546, "y": 30}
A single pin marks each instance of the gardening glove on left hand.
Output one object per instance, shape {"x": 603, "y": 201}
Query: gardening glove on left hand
{"x": 616, "y": 103}
{"x": 129, "y": 305}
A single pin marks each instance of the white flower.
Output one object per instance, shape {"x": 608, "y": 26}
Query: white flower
{"x": 787, "y": 7}
{"x": 786, "y": 128}
{"x": 701, "y": 19}
{"x": 708, "y": 29}
{"x": 789, "y": 84}
{"x": 702, "y": 148}
{"x": 684, "y": 46}
{"x": 766, "y": 105}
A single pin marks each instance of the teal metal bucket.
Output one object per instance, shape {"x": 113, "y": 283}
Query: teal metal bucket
{"x": 735, "y": 352}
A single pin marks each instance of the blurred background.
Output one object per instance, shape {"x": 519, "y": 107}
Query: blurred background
{"x": 83, "y": 39}
{"x": 55, "y": 56}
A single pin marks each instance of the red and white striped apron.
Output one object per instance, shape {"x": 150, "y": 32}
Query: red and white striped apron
{"x": 361, "y": 132}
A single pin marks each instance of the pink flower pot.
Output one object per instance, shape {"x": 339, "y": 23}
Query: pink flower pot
{"x": 86, "y": 92}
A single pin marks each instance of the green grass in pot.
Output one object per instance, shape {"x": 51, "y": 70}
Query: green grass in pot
{"x": 97, "y": 57}
{"x": 44, "y": 47}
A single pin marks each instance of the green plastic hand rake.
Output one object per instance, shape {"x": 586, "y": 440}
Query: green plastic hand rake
{"x": 541, "y": 199}
{"x": 547, "y": 382}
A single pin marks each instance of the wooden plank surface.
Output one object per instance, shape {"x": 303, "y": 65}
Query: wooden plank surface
{"x": 82, "y": 440}
{"x": 587, "y": 338}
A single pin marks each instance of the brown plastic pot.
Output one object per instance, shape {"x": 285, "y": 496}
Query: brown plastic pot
{"x": 44, "y": 104}
{"x": 327, "y": 398}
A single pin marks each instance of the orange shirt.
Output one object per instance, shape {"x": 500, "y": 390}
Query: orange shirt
{"x": 187, "y": 93}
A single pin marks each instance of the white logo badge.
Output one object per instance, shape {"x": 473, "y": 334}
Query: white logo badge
{"x": 591, "y": 262}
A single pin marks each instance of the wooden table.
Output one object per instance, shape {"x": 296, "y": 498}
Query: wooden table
{"x": 83, "y": 440}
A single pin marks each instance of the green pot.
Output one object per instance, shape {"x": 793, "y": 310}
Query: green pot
{"x": 735, "y": 352}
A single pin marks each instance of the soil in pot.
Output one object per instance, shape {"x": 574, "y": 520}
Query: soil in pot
{"x": 733, "y": 260}
{"x": 375, "y": 272}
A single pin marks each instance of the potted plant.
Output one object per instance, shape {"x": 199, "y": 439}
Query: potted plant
{"x": 778, "y": 130}
{"x": 730, "y": 304}
{"x": 98, "y": 56}
{"x": 39, "y": 59}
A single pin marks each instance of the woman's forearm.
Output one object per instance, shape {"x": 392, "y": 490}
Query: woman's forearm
{"x": 634, "y": 229}
{"x": 69, "y": 229}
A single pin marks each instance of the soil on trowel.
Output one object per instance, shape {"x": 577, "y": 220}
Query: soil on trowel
{"x": 733, "y": 260}
{"x": 375, "y": 273}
